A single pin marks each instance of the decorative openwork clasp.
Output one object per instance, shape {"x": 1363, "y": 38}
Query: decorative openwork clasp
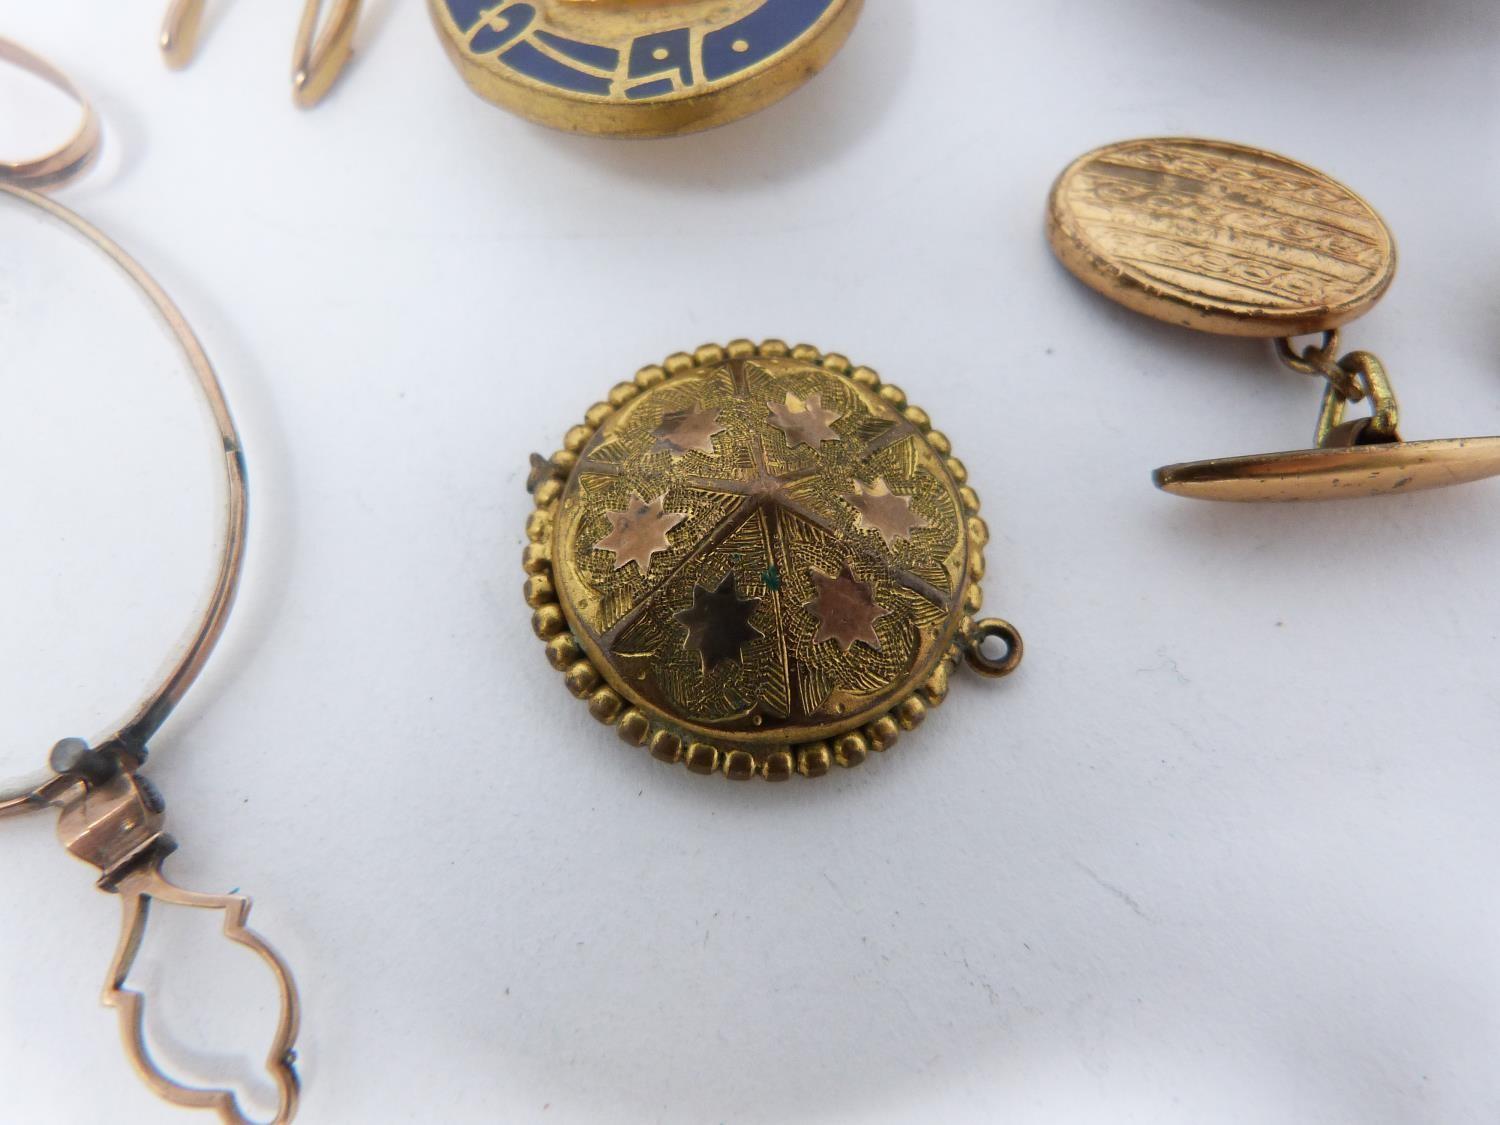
{"x": 113, "y": 819}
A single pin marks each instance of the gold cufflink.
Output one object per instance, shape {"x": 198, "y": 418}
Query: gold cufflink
{"x": 1237, "y": 241}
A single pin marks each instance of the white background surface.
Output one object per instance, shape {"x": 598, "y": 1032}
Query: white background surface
{"x": 1225, "y": 851}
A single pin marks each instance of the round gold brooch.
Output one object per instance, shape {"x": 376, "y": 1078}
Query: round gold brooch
{"x": 759, "y": 560}
{"x": 1238, "y": 241}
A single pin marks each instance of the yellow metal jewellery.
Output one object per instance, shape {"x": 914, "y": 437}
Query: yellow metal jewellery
{"x": 109, "y": 815}
{"x": 760, "y": 561}
{"x": 1237, "y": 241}
{"x": 640, "y": 68}
{"x": 72, "y": 156}
{"x": 626, "y": 68}
{"x": 318, "y": 58}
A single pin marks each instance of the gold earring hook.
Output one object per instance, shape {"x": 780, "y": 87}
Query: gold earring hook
{"x": 179, "y": 32}
{"x": 71, "y": 157}
{"x": 318, "y": 58}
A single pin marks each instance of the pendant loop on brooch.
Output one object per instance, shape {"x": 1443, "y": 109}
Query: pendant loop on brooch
{"x": 995, "y": 628}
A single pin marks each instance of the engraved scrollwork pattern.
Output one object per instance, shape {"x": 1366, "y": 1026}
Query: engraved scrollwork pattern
{"x": 1229, "y": 225}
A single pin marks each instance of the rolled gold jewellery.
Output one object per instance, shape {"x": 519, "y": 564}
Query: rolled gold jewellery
{"x": 109, "y": 815}
{"x": 71, "y": 157}
{"x": 760, "y": 561}
{"x": 640, "y": 68}
{"x": 1237, "y": 241}
{"x": 318, "y": 58}
{"x": 624, "y": 68}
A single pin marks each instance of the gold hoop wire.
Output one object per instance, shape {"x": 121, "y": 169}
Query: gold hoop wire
{"x": 71, "y": 157}
{"x": 132, "y": 735}
{"x": 109, "y": 815}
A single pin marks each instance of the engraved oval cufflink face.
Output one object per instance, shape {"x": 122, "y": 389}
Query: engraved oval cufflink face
{"x": 640, "y": 68}
{"x": 1220, "y": 237}
{"x": 759, "y": 560}
{"x": 1237, "y": 241}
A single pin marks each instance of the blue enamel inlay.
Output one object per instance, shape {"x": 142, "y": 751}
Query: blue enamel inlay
{"x": 466, "y": 13}
{"x": 527, "y": 60}
{"x": 662, "y": 52}
{"x": 590, "y": 54}
{"x": 649, "y": 89}
{"x": 665, "y": 59}
{"x": 489, "y": 38}
{"x": 775, "y": 25}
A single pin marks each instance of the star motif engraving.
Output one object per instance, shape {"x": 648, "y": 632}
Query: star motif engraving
{"x": 639, "y": 533}
{"x": 881, "y": 510}
{"x": 688, "y": 431}
{"x": 806, "y": 423}
{"x": 718, "y": 623}
{"x": 846, "y": 609}
{"x": 794, "y": 500}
